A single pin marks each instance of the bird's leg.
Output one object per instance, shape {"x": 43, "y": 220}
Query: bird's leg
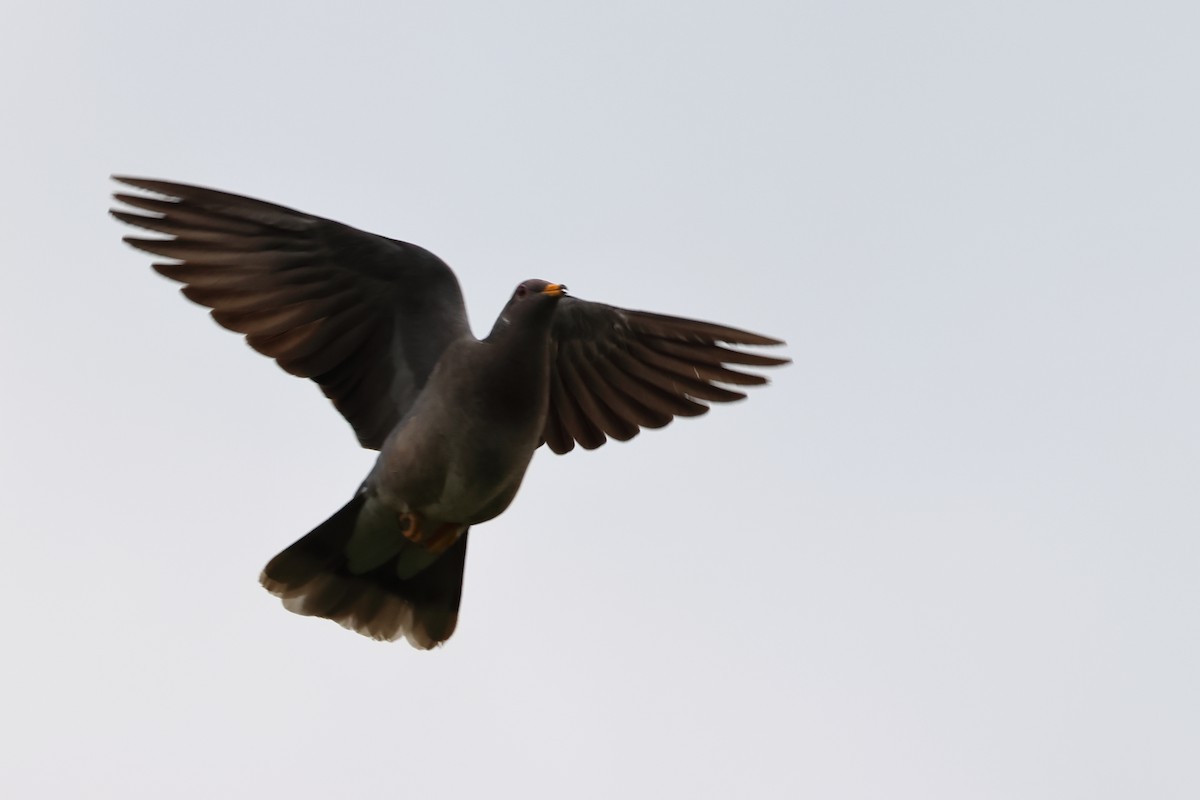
{"x": 445, "y": 535}
{"x": 435, "y": 541}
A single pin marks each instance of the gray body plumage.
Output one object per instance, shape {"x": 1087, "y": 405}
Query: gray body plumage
{"x": 460, "y": 453}
{"x": 380, "y": 326}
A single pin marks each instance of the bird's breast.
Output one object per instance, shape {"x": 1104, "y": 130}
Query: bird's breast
{"x": 462, "y": 454}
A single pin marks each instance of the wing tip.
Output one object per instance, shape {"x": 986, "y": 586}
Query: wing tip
{"x": 756, "y": 339}
{"x": 132, "y": 180}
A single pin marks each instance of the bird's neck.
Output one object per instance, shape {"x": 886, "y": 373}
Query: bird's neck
{"x": 519, "y": 366}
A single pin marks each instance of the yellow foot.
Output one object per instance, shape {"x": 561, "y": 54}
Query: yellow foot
{"x": 412, "y": 526}
{"x": 441, "y": 539}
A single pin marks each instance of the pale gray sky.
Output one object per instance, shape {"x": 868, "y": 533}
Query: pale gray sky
{"x": 950, "y": 553}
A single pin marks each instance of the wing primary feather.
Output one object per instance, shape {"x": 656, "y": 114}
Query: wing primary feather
{"x": 672, "y": 384}
{"x": 226, "y": 204}
{"x": 608, "y": 384}
{"x": 584, "y": 391}
{"x": 338, "y": 341}
{"x": 225, "y": 253}
{"x": 555, "y": 435}
{"x": 627, "y": 392}
{"x": 299, "y": 350}
{"x": 255, "y": 276}
{"x": 693, "y": 329}
{"x": 713, "y": 353}
{"x": 576, "y": 428}
{"x": 276, "y": 320}
{"x": 696, "y": 377}
{"x": 654, "y": 391}
{"x": 252, "y": 299}
{"x": 191, "y": 218}
{"x": 172, "y": 226}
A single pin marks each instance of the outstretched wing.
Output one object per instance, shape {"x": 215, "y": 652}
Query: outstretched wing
{"x": 364, "y": 316}
{"x": 616, "y": 371}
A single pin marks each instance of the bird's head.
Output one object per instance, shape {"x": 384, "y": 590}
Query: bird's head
{"x": 533, "y": 289}
{"x": 531, "y": 306}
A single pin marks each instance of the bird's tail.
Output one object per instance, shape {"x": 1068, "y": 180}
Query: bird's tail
{"x": 314, "y": 577}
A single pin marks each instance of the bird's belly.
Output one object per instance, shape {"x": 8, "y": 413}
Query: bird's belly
{"x": 462, "y": 458}
{"x": 480, "y": 484}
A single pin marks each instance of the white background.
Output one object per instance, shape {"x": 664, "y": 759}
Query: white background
{"x": 950, "y": 553}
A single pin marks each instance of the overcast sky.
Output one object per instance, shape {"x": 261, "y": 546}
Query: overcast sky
{"x": 951, "y": 552}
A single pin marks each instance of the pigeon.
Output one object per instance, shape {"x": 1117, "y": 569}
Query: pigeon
{"x": 380, "y": 325}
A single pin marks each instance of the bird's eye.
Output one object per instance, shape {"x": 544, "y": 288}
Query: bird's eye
{"x": 522, "y": 290}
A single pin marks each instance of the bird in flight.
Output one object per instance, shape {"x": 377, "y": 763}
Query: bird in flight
{"x": 380, "y": 326}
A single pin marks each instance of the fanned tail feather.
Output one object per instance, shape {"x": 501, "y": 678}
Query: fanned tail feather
{"x": 313, "y": 578}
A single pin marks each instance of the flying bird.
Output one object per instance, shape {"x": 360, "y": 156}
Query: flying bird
{"x": 380, "y": 326}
